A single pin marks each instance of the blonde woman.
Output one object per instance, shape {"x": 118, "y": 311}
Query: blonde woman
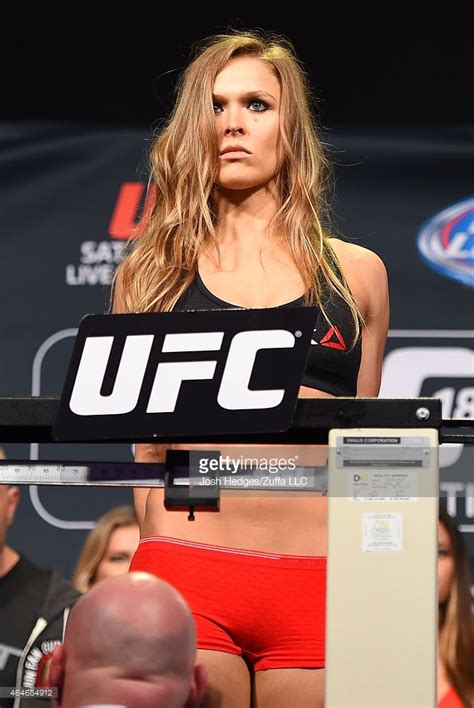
{"x": 237, "y": 220}
{"x": 456, "y": 620}
{"x": 108, "y": 549}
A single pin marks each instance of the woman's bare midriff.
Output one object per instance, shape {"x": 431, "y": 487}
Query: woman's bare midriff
{"x": 274, "y": 522}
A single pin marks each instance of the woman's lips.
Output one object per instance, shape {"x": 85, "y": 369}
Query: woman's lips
{"x": 234, "y": 155}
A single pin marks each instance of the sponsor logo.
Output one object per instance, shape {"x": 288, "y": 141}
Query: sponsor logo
{"x": 174, "y": 373}
{"x": 333, "y": 339}
{"x": 445, "y": 371}
{"x": 446, "y": 242}
{"x": 362, "y": 478}
{"x": 99, "y": 259}
{"x": 87, "y": 398}
{"x": 37, "y": 664}
{"x": 132, "y": 206}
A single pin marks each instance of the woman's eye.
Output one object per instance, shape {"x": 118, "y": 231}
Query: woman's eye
{"x": 260, "y": 105}
{"x": 255, "y": 105}
{"x": 119, "y": 558}
{"x": 442, "y": 553}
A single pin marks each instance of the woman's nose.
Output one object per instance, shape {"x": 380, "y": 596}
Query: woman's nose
{"x": 233, "y": 130}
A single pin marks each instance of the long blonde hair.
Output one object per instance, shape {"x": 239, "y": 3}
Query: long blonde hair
{"x": 456, "y": 620}
{"x": 96, "y": 543}
{"x": 183, "y": 171}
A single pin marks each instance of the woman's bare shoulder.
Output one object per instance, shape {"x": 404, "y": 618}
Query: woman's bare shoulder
{"x": 353, "y": 256}
{"x": 364, "y": 270}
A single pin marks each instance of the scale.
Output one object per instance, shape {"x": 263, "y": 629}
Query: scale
{"x": 86, "y": 474}
{"x": 137, "y": 474}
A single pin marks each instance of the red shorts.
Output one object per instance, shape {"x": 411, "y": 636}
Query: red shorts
{"x": 267, "y": 608}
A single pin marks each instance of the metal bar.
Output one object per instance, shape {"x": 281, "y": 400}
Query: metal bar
{"x": 459, "y": 438}
{"x": 31, "y": 420}
{"x": 131, "y": 474}
{"x": 457, "y": 422}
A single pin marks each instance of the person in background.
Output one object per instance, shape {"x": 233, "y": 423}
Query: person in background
{"x": 108, "y": 549}
{"x": 34, "y": 604}
{"x": 130, "y": 641}
{"x": 456, "y": 621}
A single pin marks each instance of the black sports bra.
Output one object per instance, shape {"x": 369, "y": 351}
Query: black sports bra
{"x": 333, "y": 363}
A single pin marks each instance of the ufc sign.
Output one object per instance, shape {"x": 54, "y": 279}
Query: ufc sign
{"x": 184, "y": 373}
{"x": 234, "y": 393}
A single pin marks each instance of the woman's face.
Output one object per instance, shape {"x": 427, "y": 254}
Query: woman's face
{"x": 445, "y": 564}
{"x": 247, "y": 108}
{"x": 123, "y": 543}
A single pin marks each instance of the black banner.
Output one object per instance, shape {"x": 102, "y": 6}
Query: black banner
{"x": 72, "y": 194}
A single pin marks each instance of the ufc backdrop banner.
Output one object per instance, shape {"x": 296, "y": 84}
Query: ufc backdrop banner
{"x": 71, "y": 195}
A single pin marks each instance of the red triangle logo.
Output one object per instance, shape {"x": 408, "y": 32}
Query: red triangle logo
{"x": 328, "y": 341}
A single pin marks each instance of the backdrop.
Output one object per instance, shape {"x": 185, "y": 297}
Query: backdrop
{"x": 70, "y": 196}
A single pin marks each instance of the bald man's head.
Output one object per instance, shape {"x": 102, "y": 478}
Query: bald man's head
{"x": 132, "y": 632}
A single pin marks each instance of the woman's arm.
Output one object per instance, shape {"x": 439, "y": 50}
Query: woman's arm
{"x": 367, "y": 278}
{"x": 144, "y": 452}
{"x": 374, "y": 334}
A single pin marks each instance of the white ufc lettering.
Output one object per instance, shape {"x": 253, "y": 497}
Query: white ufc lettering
{"x": 86, "y": 398}
{"x": 168, "y": 379}
{"x": 234, "y": 393}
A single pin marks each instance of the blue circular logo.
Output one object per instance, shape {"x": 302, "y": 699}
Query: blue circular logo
{"x": 446, "y": 242}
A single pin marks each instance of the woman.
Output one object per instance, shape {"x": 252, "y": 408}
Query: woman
{"x": 456, "y": 621}
{"x": 239, "y": 173}
{"x": 108, "y": 549}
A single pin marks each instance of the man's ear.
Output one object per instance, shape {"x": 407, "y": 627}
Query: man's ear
{"x": 13, "y": 497}
{"x": 56, "y": 671}
{"x": 198, "y": 687}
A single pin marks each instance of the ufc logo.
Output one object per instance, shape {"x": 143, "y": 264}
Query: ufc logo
{"x": 405, "y": 369}
{"x": 128, "y": 217}
{"x": 234, "y": 393}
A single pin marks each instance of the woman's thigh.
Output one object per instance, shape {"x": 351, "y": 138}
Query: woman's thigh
{"x": 228, "y": 680}
{"x": 281, "y": 688}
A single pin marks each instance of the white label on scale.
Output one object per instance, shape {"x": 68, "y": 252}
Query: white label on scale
{"x": 382, "y": 533}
